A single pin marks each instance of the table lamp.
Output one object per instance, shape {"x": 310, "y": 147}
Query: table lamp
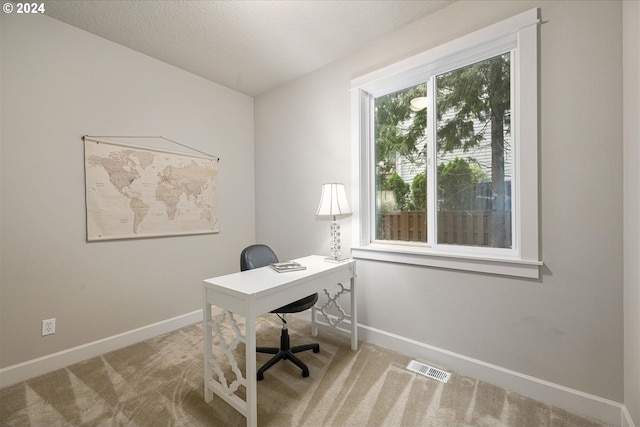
{"x": 333, "y": 203}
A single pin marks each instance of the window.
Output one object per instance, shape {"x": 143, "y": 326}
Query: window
{"x": 447, "y": 144}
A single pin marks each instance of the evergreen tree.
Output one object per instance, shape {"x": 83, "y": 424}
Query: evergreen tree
{"x": 398, "y": 129}
{"x": 419, "y": 191}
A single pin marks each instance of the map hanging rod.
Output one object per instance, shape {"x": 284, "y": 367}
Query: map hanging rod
{"x": 152, "y": 137}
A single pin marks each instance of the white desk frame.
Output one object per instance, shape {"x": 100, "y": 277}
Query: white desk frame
{"x": 254, "y": 292}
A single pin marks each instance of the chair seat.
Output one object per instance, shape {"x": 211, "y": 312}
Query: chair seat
{"x": 298, "y": 306}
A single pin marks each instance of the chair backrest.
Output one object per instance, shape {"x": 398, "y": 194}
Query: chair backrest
{"x": 256, "y": 256}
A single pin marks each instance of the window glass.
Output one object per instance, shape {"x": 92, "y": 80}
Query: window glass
{"x": 474, "y": 154}
{"x": 400, "y": 152}
{"x": 473, "y": 158}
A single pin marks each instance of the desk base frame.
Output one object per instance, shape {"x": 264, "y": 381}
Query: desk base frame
{"x": 329, "y": 314}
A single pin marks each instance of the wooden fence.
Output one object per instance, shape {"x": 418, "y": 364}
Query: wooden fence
{"x": 408, "y": 226}
{"x": 454, "y": 227}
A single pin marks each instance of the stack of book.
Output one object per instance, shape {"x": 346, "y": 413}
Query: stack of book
{"x": 282, "y": 267}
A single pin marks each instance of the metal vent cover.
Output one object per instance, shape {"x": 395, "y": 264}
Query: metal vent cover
{"x": 429, "y": 371}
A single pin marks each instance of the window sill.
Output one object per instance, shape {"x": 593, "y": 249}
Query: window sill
{"x": 425, "y": 257}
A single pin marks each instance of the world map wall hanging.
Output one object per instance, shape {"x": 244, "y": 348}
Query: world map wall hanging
{"x": 134, "y": 192}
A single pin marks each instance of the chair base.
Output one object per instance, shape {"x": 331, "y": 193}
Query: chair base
{"x": 285, "y": 352}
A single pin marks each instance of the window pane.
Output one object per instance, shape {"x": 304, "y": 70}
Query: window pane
{"x": 474, "y": 154}
{"x": 400, "y": 144}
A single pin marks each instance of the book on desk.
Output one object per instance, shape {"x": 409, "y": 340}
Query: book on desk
{"x": 283, "y": 267}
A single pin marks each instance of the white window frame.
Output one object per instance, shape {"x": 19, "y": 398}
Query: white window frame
{"x": 519, "y": 35}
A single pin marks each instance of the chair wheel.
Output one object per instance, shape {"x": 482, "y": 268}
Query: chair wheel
{"x": 305, "y": 373}
{"x": 260, "y": 377}
{"x": 316, "y": 350}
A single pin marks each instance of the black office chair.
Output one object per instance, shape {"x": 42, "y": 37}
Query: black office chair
{"x": 256, "y": 256}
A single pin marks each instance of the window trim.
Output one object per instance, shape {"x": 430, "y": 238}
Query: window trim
{"x": 521, "y": 32}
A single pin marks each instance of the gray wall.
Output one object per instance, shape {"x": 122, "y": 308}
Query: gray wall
{"x": 632, "y": 209}
{"x": 59, "y": 83}
{"x": 567, "y": 327}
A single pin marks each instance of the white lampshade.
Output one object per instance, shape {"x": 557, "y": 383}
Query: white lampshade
{"x": 333, "y": 201}
{"x": 418, "y": 104}
{"x": 386, "y": 201}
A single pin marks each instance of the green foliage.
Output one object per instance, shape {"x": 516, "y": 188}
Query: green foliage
{"x": 479, "y": 92}
{"x": 398, "y": 129}
{"x": 419, "y": 191}
{"x": 457, "y": 181}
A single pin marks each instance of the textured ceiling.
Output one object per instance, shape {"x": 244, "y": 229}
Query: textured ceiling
{"x": 249, "y": 46}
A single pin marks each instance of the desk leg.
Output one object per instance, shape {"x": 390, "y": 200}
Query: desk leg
{"x": 208, "y": 374}
{"x": 251, "y": 372}
{"x": 333, "y": 313}
{"x": 354, "y": 317}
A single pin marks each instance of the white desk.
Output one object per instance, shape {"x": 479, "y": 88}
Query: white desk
{"x": 252, "y": 293}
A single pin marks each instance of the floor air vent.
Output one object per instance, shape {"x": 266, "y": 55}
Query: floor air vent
{"x": 428, "y": 371}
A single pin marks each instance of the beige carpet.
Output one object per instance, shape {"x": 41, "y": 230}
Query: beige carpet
{"x": 159, "y": 382}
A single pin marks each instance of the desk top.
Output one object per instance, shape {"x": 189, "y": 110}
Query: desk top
{"x": 263, "y": 280}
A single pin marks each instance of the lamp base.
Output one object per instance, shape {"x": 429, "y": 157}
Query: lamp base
{"x": 337, "y": 261}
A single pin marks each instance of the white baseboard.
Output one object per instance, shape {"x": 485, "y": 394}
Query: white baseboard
{"x": 42, "y": 365}
{"x": 626, "y": 418}
{"x": 575, "y": 401}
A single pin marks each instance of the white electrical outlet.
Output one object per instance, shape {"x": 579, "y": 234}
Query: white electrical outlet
{"x": 48, "y": 326}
